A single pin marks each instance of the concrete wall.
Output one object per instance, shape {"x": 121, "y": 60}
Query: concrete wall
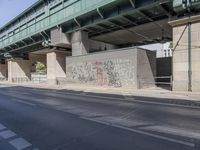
{"x": 38, "y": 57}
{"x": 19, "y": 69}
{"x": 3, "y": 70}
{"x": 117, "y": 68}
{"x": 180, "y": 55}
{"x": 180, "y": 61}
{"x": 146, "y": 68}
{"x": 34, "y": 58}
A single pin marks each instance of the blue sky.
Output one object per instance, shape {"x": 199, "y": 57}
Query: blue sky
{"x": 11, "y": 8}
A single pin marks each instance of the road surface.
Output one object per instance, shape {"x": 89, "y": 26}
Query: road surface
{"x": 41, "y": 119}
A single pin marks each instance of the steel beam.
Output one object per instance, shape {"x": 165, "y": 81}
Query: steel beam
{"x": 25, "y": 46}
{"x": 132, "y": 3}
{"x": 31, "y": 39}
{"x": 133, "y": 32}
{"x": 100, "y": 14}
{"x": 129, "y": 20}
{"x": 79, "y": 25}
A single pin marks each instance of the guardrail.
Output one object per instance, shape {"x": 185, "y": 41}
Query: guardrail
{"x": 166, "y": 82}
{"x": 160, "y": 81}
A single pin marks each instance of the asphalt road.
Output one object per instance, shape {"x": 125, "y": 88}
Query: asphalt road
{"x": 39, "y": 119}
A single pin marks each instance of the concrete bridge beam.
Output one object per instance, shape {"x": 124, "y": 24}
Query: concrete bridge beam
{"x": 80, "y": 43}
{"x": 59, "y": 38}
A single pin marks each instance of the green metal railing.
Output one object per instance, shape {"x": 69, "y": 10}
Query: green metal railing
{"x": 64, "y": 11}
{"x": 181, "y": 6}
{"x": 55, "y": 15}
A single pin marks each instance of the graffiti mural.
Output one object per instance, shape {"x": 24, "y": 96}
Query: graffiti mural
{"x": 113, "y": 72}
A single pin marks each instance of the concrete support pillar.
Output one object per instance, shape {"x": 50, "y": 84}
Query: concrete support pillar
{"x": 56, "y": 66}
{"x": 80, "y": 43}
{"x": 183, "y": 70}
{"x": 3, "y": 70}
{"x": 18, "y": 69}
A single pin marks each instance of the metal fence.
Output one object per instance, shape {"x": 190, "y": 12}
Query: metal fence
{"x": 35, "y": 78}
{"x": 164, "y": 82}
{"x": 38, "y": 78}
{"x": 20, "y": 80}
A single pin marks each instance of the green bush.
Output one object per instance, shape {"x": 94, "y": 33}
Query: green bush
{"x": 40, "y": 68}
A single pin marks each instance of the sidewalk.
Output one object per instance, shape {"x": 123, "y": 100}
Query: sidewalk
{"x": 153, "y": 92}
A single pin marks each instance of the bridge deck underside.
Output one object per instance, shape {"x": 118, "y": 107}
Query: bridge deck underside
{"x": 118, "y": 23}
{"x": 148, "y": 33}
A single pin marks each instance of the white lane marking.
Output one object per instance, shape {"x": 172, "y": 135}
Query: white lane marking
{"x": 189, "y": 144}
{"x": 130, "y": 99}
{"x": 173, "y": 131}
{"x": 20, "y": 143}
{"x": 121, "y": 99}
{"x": 24, "y": 102}
{"x": 7, "y": 134}
{"x": 2, "y": 127}
{"x": 139, "y": 101}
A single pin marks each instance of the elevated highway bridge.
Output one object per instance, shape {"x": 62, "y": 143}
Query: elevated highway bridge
{"x": 78, "y": 27}
{"x": 99, "y": 18}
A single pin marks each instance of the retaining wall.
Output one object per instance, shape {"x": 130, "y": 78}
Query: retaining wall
{"x": 116, "y": 68}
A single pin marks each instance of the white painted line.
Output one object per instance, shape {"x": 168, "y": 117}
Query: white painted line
{"x": 139, "y": 101}
{"x": 2, "y": 127}
{"x": 7, "y": 134}
{"x": 20, "y": 143}
{"x": 173, "y": 131}
{"x": 121, "y": 99}
{"x": 24, "y": 102}
{"x": 189, "y": 144}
